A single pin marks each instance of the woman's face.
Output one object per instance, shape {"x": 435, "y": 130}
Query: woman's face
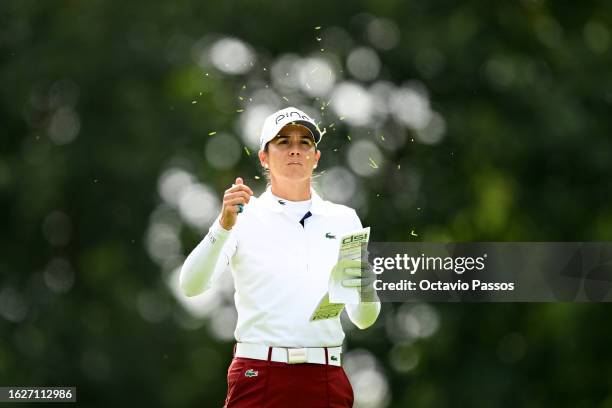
{"x": 291, "y": 155}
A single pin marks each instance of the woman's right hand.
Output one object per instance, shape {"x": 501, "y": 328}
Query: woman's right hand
{"x": 234, "y": 199}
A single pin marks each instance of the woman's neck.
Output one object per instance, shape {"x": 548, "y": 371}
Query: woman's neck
{"x": 298, "y": 191}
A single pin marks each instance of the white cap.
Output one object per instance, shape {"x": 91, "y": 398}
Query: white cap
{"x": 276, "y": 121}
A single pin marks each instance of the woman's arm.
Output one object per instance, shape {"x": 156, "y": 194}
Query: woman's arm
{"x": 203, "y": 262}
{"x": 363, "y": 314}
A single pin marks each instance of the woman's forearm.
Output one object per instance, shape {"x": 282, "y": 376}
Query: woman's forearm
{"x": 203, "y": 261}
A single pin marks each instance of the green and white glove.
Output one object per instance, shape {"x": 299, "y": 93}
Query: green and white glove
{"x": 360, "y": 276}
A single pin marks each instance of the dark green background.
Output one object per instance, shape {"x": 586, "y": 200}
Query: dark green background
{"x": 528, "y": 159}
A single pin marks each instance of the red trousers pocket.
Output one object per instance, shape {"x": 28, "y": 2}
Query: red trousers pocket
{"x": 340, "y": 389}
{"x": 256, "y": 383}
{"x": 246, "y": 383}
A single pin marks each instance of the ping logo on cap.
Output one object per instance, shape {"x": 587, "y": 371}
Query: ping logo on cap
{"x": 291, "y": 115}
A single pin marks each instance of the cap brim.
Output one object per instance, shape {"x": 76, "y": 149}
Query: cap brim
{"x": 313, "y": 129}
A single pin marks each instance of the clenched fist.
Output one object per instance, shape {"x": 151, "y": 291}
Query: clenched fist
{"x": 234, "y": 200}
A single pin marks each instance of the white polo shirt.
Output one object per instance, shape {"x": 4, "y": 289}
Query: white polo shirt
{"x": 281, "y": 270}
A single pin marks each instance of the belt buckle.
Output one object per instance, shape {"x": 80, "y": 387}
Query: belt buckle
{"x": 297, "y": 355}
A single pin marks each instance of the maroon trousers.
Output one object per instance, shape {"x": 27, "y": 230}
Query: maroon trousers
{"x": 269, "y": 384}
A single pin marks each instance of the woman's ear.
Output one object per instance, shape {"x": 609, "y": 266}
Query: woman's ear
{"x": 263, "y": 159}
{"x": 318, "y": 157}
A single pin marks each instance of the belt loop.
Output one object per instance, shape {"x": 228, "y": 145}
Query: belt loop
{"x": 269, "y": 354}
{"x": 326, "y": 356}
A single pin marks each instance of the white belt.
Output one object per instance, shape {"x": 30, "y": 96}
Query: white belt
{"x": 314, "y": 355}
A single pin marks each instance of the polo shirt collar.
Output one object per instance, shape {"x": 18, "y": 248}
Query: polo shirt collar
{"x": 317, "y": 206}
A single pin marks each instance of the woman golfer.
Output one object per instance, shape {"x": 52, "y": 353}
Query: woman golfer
{"x": 282, "y": 247}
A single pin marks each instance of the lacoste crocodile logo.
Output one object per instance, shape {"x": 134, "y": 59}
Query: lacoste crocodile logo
{"x": 334, "y": 358}
{"x": 281, "y": 202}
{"x": 251, "y": 373}
{"x": 329, "y": 235}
